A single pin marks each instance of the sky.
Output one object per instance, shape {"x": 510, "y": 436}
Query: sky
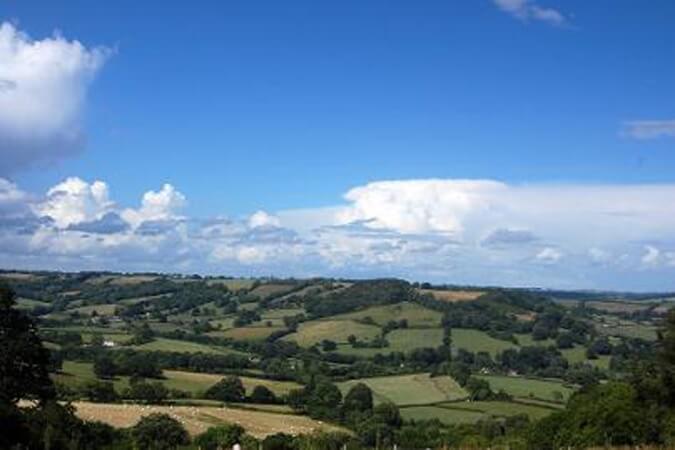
{"x": 488, "y": 142}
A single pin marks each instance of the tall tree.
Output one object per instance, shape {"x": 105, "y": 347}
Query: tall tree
{"x": 23, "y": 359}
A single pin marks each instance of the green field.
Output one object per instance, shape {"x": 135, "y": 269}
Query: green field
{"x": 26, "y": 303}
{"x": 250, "y": 333}
{"x": 525, "y": 340}
{"x": 578, "y": 355}
{"x": 416, "y": 315}
{"x": 199, "y": 382}
{"x": 402, "y": 340}
{"x": 471, "y": 412}
{"x": 416, "y": 389}
{"x": 173, "y": 345}
{"x": 310, "y": 333}
{"x": 79, "y": 373}
{"x": 445, "y": 415}
{"x": 478, "y": 341}
{"x": 528, "y": 387}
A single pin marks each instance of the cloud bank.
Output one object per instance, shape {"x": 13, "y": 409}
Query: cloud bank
{"x": 461, "y": 231}
{"x": 43, "y": 88}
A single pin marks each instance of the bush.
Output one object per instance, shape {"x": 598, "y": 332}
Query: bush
{"x": 223, "y": 436}
{"x": 229, "y": 389}
{"x": 261, "y": 394}
{"x": 159, "y": 432}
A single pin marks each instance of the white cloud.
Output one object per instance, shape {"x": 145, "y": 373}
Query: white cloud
{"x": 419, "y": 206}
{"x": 649, "y": 129}
{"x": 528, "y": 10}
{"x": 549, "y": 255}
{"x": 263, "y": 219}
{"x": 43, "y": 87}
{"x": 74, "y": 200}
{"x": 465, "y": 231}
{"x": 162, "y": 205}
{"x": 652, "y": 256}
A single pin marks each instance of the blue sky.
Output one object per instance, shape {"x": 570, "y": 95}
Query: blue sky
{"x": 285, "y": 106}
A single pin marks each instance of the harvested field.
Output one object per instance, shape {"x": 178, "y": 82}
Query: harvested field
{"x": 452, "y": 296}
{"x": 198, "y": 419}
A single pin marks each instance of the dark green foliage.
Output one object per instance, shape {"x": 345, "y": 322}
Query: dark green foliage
{"x": 100, "y": 392}
{"x": 222, "y": 436}
{"x": 358, "y": 399}
{"x": 24, "y": 361}
{"x": 262, "y": 394}
{"x": 159, "y": 432}
{"x": 104, "y": 366}
{"x": 279, "y": 441}
{"x": 360, "y": 295}
{"x": 229, "y": 389}
{"x": 142, "y": 391}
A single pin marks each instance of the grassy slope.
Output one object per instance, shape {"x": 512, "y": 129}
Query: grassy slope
{"x": 528, "y": 387}
{"x": 416, "y": 315}
{"x": 310, "y": 333}
{"x": 478, "y": 341}
{"x": 417, "y": 389}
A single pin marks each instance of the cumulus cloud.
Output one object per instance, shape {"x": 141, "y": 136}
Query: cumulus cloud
{"x": 529, "y": 10}
{"x": 43, "y": 87}
{"x": 649, "y": 129}
{"x": 463, "y": 231}
{"x": 74, "y": 201}
{"x": 162, "y": 205}
{"x": 263, "y": 219}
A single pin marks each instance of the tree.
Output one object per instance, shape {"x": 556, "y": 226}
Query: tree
{"x": 159, "y": 432}
{"x": 229, "y": 389}
{"x": 23, "y": 359}
{"x": 262, "y": 394}
{"x": 101, "y": 392}
{"x": 279, "y": 441}
{"x": 358, "y": 399}
{"x": 222, "y": 436}
{"x": 152, "y": 393}
{"x": 328, "y": 346}
{"x": 104, "y": 366}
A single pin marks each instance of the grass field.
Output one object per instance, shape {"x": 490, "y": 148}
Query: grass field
{"x": 26, "y": 303}
{"x": 445, "y": 415}
{"x": 525, "y": 340}
{"x": 310, "y": 333}
{"x": 471, "y": 412}
{"x": 503, "y": 409}
{"x": 528, "y": 387}
{"x": 79, "y": 373}
{"x": 265, "y": 290}
{"x": 403, "y": 340}
{"x": 612, "y": 326}
{"x": 199, "y": 382}
{"x": 478, "y": 341}
{"x": 417, "y": 389}
{"x": 251, "y": 333}
{"x": 173, "y": 345}
{"x": 416, "y": 315}
{"x": 452, "y": 295}
{"x": 198, "y": 419}
{"x": 101, "y": 310}
{"x": 578, "y": 355}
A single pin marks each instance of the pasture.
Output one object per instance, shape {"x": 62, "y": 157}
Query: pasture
{"x": 174, "y": 345}
{"x": 478, "y": 341}
{"x": 416, "y": 389}
{"x": 521, "y": 387}
{"x": 198, "y": 419}
{"x": 310, "y": 333}
{"x": 416, "y": 315}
